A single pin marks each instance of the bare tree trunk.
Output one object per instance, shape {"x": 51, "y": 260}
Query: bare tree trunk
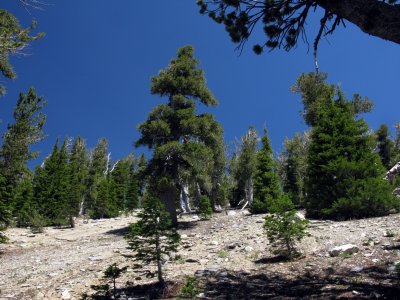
{"x": 184, "y": 197}
{"x": 81, "y": 206}
{"x": 371, "y": 16}
{"x": 158, "y": 253}
{"x": 390, "y": 175}
{"x": 249, "y": 191}
{"x": 214, "y": 193}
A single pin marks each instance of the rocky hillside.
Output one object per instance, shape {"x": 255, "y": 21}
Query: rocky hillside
{"x": 228, "y": 256}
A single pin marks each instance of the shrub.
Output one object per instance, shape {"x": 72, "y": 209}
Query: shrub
{"x": 284, "y": 227}
{"x": 205, "y": 208}
{"x": 190, "y": 290}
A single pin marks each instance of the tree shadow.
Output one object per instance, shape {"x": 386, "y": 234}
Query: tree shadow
{"x": 272, "y": 260}
{"x": 186, "y": 225}
{"x": 318, "y": 284}
{"x": 147, "y": 291}
{"x": 119, "y": 231}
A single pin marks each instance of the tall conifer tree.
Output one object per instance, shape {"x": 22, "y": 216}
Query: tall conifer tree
{"x": 78, "y": 172}
{"x": 15, "y": 151}
{"x": 385, "y": 146}
{"x": 173, "y": 130}
{"x": 267, "y": 188}
{"x": 344, "y": 175}
{"x": 98, "y": 167}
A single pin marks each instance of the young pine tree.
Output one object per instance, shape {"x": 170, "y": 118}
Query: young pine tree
{"x": 153, "y": 235}
{"x": 284, "y": 227}
{"x": 267, "y": 187}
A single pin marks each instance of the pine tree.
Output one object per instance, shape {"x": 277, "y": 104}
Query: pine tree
{"x": 104, "y": 206}
{"x": 119, "y": 180}
{"x": 344, "y": 175}
{"x": 5, "y": 213}
{"x": 153, "y": 235}
{"x": 24, "y": 206}
{"x": 385, "y": 146}
{"x": 97, "y": 171}
{"x": 134, "y": 188}
{"x": 293, "y": 165}
{"x": 244, "y": 166}
{"x": 14, "y": 39}
{"x": 284, "y": 227}
{"x": 78, "y": 172}
{"x": 15, "y": 151}
{"x": 51, "y": 187}
{"x": 173, "y": 130}
{"x": 267, "y": 187}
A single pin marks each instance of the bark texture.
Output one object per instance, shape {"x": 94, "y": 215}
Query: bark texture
{"x": 371, "y": 16}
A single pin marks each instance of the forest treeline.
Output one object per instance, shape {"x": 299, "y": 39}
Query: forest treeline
{"x": 334, "y": 170}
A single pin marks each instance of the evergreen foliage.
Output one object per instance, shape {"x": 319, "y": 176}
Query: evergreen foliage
{"x": 180, "y": 139}
{"x": 205, "y": 209}
{"x": 243, "y": 167}
{"x": 78, "y": 172}
{"x": 344, "y": 175}
{"x": 293, "y": 165}
{"x": 283, "y": 22}
{"x": 97, "y": 171}
{"x": 14, "y": 39}
{"x": 15, "y": 152}
{"x": 119, "y": 178}
{"x": 385, "y": 146}
{"x": 51, "y": 186}
{"x": 153, "y": 235}
{"x": 284, "y": 227}
{"x": 267, "y": 188}
{"x": 134, "y": 184}
{"x": 113, "y": 272}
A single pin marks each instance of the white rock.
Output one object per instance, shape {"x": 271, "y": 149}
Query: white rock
{"x": 248, "y": 249}
{"x": 214, "y": 243}
{"x": 344, "y": 249}
{"x": 231, "y": 213}
{"x": 65, "y": 295}
{"x": 300, "y": 215}
{"x": 357, "y": 269}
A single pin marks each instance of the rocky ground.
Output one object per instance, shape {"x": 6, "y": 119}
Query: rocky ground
{"x": 228, "y": 255}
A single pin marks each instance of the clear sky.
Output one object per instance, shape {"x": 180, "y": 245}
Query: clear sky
{"x": 95, "y": 63}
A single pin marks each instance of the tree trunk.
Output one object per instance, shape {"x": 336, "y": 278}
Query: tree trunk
{"x": 214, "y": 193}
{"x": 390, "y": 175}
{"x": 184, "y": 197}
{"x": 81, "y": 206}
{"x": 158, "y": 253}
{"x": 371, "y": 16}
{"x": 249, "y": 191}
{"x": 168, "y": 196}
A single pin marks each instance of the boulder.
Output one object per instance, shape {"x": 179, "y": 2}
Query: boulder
{"x": 347, "y": 249}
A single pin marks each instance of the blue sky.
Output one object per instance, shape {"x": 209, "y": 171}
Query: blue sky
{"x": 95, "y": 63}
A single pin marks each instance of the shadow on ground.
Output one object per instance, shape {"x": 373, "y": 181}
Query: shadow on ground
{"x": 146, "y": 291}
{"x": 120, "y": 231}
{"x": 371, "y": 283}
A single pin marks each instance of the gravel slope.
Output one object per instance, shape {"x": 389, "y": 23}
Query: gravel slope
{"x": 63, "y": 263}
